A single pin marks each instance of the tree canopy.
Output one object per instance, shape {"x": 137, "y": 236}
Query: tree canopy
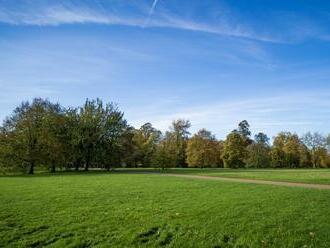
{"x": 45, "y": 135}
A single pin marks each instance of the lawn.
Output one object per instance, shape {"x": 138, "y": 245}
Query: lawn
{"x": 137, "y": 210}
{"x": 318, "y": 176}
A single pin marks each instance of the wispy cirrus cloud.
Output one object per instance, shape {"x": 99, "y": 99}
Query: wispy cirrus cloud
{"x": 139, "y": 15}
{"x": 57, "y": 15}
{"x": 223, "y": 29}
{"x": 151, "y": 11}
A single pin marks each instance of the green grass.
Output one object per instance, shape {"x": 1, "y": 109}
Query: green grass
{"x": 318, "y": 176}
{"x": 136, "y": 210}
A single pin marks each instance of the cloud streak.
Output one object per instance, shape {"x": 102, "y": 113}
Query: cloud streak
{"x": 295, "y": 28}
{"x": 58, "y": 14}
{"x": 151, "y": 11}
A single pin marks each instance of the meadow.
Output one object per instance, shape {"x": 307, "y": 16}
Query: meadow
{"x": 121, "y": 209}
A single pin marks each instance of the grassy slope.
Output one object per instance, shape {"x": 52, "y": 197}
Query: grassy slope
{"x": 321, "y": 176}
{"x": 121, "y": 210}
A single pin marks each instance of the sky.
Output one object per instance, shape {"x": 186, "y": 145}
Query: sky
{"x": 213, "y": 62}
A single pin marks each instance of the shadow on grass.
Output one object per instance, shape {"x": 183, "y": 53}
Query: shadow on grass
{"x": 93, "y": 172}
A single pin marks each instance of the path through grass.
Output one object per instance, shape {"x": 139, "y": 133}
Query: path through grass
{"x": 320, "y": 176}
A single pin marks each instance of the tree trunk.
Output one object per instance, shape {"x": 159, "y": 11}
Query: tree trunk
{"x": 87, "y": 163}
{"x": 53, "y": 167}
{"x": 88, "y": 158}
{"x": 31, "y": 170}
{"x": 77, "y": 164}
{"x": 313, "y": 159}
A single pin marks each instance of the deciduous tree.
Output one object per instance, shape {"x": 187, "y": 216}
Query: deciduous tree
{"x": 234, "y": 152}
{"x": 314, "y": 141}
{"x": 203, "y": 150}
{"x": 178, "y": 136}
{"x": 259, "y": 152}
{"x": 146, "y": 139}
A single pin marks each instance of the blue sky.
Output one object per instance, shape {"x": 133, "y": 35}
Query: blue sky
{"x": 213, "y": 62}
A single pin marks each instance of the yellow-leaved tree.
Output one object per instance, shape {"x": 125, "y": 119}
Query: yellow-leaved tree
{"x": 203, "y": 150}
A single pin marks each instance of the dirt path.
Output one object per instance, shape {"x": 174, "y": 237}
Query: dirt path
{"x": 254, "y": 181}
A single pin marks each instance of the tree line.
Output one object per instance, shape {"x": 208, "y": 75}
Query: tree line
{"x": 45, "y": 135}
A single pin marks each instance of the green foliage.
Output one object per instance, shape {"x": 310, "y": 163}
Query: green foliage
{"x": 290, "y": 151}
{"x": 305, "y": 159}
{"x": 315, "y": 142}
{"x": 203, "y": 150}
{"x": 9, "y": 162}
{"x": 258, "y": 156}
{"x": 166, "y": 154}
{"x": 259, "y": 152}
{"x": 48, "y": 136}
{"x": 234, "y": 151}
{"x": 99, "y": 131}
{"x": 146, "y": 140}
{"x": 128, "y": 149}
{"x": 178, "y": 137}
{"x": 25, "y": 134}
{"x": 322, "y": 158}
{"x": 277, "y": 152}
{"x": 170, "y": 149}
{"x": 244, "y": 130}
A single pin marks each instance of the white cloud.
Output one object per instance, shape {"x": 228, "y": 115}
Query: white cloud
{"x": 60, "y": 14}
{"x": 293, "y": 27}
{"x": 240, "y": 31}
{"x": 299, "y": 112}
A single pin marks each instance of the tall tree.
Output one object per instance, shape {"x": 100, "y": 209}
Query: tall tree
{"x": 165, "y": 154}
{"x": 291, "y": 149}
{"x": 146, "y": 139}
{"x": 259, "y": 152}
{"x": 305, "y": 156}
{"x": 323, "y": 157}
{"x": 314, "y": 141}
{"x": 277, "y": 151}
{"x": 234, "y": 152}
{"x": 10, "y": 159}
{"x": 100, "y": 128}
{"x": 129, "y": 151}
{"x": 178, "y": 135}
{"x": 75, "y": 149}
{"x": 244, "y": 130}
{"x": 25, "y": 126}
{"x": 53, "y": 136}
{"x": 203, "y": 150}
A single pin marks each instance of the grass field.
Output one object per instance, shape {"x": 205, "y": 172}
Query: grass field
{"x": 318, "y": 176}
{"x": 137, "y": 210}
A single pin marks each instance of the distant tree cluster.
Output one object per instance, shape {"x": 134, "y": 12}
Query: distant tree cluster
{"x": 44, "y": 135}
